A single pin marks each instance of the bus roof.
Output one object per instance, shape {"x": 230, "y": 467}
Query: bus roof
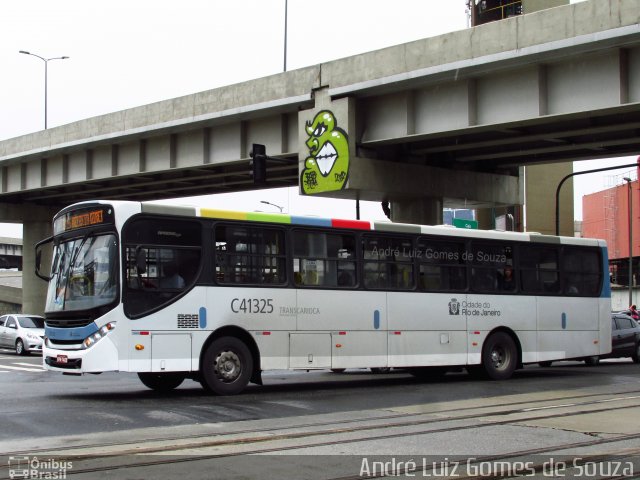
{"x": 380, "y": 226}
{"x": 363, "y": 225}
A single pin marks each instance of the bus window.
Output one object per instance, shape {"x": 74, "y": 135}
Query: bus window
{"x": 162, "y": 261}
{"x": 442, "y": 265}
{"x": 581, "y": 272}
{"x": 539, "y": 272}
{"x": 324, "y": 259}
{"x": 247, "y": 255}
{"x": 488, "y": 265}
{"x": 388, "y": 263}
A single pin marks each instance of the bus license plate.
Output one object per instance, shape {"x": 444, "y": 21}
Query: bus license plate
{"x": 62, "y": 359}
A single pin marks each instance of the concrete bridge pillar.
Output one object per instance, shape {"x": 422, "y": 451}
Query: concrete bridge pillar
{"x": 485, "y": 218}
{"x": 36, "y": 225}
{"x": 423, "y": 211}
{"x": 34, "y": 289}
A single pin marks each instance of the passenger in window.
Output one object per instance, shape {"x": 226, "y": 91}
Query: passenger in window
{"x": 508, "y": 282}
{"x": 345, "y": 279}
{"x": 572, "y": 289}
{"x": 171, "y": 277}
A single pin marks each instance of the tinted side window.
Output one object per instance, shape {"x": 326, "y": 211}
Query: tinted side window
{"x": 539, "y": 272}
{"x": 624, "y": 323}
{"x": 442, "y": 265}
{"x": 162, "y": 260}
{"x": 3, "y": 319}
{"x": 581, "y": 270}
{"x": 324, "y": 259}
{"x": 492, "y": 267}
{"x": 250, "y": 255}
{"x": 388, "y": 262}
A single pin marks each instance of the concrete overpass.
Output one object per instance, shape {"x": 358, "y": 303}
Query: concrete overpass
{"x": 444, "y": 121}
{"x": 11, "y": 253}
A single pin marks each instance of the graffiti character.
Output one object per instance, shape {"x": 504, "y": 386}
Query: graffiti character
{"x": 327, "y": 166}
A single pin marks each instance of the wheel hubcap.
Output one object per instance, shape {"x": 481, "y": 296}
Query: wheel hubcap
{"x": 228, "y": 366}
{"x": 498, "y": 358}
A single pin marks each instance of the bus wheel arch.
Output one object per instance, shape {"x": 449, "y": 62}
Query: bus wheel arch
{"x": 501, "y": 354}
{"x": 239, "y": 346}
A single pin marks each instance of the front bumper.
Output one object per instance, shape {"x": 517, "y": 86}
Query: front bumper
{"x": 101, "y": 357}
{"x": 34, "y": 348}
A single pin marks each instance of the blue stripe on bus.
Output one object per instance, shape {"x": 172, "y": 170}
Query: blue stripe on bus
{"x": 606, "y": 281}
{"x": 311, "y": 221}
{"x": 202, "y": 315}
{"x": 376, "y": 319}
{"x": 78, "y": 333}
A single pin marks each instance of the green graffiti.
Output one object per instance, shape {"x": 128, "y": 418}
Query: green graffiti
{"x": 327, "y": 166}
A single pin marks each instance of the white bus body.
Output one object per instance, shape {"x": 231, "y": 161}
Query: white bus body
{"x": 255, "y": 301}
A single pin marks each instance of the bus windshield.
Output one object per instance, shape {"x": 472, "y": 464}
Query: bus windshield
{"x": 84, "y": 273}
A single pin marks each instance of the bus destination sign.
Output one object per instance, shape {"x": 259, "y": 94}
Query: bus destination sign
{"x": 82, "y": 218}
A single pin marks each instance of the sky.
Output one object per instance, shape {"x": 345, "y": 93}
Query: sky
{"x": 126, "y": 53}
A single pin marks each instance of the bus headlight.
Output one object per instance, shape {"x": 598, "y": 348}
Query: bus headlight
{"x": 94, "y": 337}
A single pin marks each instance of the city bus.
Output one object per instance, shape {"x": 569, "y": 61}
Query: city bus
{"x": 217, "y": 296}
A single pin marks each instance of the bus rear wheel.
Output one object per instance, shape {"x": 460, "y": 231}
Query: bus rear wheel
{"x": 161, "y": 382}
{"x": 227, "y": 366}
{"x": 499, "y": 356}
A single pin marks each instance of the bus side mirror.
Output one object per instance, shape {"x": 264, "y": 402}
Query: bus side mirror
{"x": 41, "y": 255}
{"x": 141, "y": 261}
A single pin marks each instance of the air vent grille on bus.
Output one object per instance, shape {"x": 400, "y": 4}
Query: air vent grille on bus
{"x": 187, "y": 321}
{"x": 67, "y": 322}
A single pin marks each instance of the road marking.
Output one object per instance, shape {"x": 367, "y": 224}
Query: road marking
{"x": 34, "y": 365}
{"x": 23, "y": 369}
{"x": 564, "y": 405}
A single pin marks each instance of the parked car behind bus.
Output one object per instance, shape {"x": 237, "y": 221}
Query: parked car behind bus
{"x": 625, "y": 337}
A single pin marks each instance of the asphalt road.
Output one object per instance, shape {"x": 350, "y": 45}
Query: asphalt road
{"x": 537, "y": 408}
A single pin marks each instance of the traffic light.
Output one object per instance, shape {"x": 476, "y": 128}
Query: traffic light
{"x": 258, "y": 163}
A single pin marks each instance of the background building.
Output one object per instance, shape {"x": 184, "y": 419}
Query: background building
{"x": 606, "y": 215}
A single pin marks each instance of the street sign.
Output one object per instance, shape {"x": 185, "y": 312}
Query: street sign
{"x": 464, "y": 223}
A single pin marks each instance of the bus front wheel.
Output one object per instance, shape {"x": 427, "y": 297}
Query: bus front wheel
{"x": 499, "y": 356}
{"x": 161, "y": 382}
{"x": 227, "y": 366}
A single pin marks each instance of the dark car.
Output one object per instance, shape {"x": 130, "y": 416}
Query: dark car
{"x": 625, "y": 337}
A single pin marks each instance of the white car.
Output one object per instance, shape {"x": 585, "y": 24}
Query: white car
{"x": 22, "y": 333}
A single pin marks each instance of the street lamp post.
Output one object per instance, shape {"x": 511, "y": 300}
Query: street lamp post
{"x": 46, "y": 62}
{"x": 286, "y": 17}
{"x": 272, "y": 204}
{"x": 630, "y": 205}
